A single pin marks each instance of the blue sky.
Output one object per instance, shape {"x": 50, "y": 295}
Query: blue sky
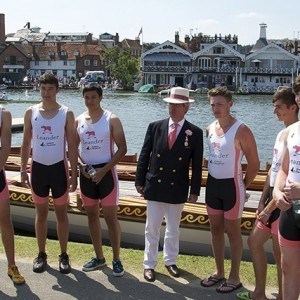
{"x": 159, "y": 19}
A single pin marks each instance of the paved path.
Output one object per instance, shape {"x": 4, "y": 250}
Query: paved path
{"x": 101, "y": 285}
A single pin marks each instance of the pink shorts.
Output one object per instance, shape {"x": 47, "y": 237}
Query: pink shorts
{"x": 4, "y": 192}
{"x": 106, "y": 191}
{"x": 273, "y": 229}
{"x": 45, "y": 178}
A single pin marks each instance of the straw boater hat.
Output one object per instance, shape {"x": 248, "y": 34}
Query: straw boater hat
{"x": 179, "y": 95}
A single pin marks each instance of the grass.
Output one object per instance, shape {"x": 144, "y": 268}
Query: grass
{"x": 193, "y": 266}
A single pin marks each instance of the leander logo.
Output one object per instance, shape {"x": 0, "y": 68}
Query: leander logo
{"x": 91, "y": 134}
{"x": 217, "y": 146}
{"x": 297, "y": 150}
{"x": 46, "y": 129}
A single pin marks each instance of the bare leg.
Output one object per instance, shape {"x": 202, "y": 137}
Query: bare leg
{"x": 62, "y": 226}
{"x": 95, "y": 229}
{"x": 277, "y": 256}
{"x": 233, "y": 229}
{"x": 290, "y": 264}
{"x": 7, "y": 232}
{"x": 256, "y": 242}
{"x": 114, "y": 229}
{"x": 41, "y": 225}
{"x": 218, "y": 243}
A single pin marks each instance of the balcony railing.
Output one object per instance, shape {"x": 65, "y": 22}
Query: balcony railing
{"x": 227, "y": 69}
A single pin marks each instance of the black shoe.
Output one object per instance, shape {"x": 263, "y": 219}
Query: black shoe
{"x": 149, "y": 275}
{"x": 64, "y": 264}
{"x": 40, "y": 263}
{"x": 173, "y": 270}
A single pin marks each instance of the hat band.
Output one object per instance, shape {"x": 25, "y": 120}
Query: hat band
{"x": 176, "y": 96}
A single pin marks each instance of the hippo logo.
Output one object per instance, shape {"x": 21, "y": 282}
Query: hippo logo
{"x": 46, "y": 129}
{"x": 216, "y": 146}
{"x": 275, "y": 151}
{"x": 297, "y": 150}
{"x": 91, "y": 134}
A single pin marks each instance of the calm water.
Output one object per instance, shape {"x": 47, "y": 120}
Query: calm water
{"x": 137, "y": 110}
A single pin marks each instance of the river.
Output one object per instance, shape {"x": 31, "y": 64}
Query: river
{"x": 137, "y": 110}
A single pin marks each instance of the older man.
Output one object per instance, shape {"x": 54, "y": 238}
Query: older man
{"x": 163, "y": 178}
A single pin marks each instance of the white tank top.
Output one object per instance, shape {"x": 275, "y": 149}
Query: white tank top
{"x": 48, "y": 136}
{"x": 293, "y": 145}
{"x": 96, "y": 140}
{"x": 224, "y": 158}
{"x": 276, "y": 162}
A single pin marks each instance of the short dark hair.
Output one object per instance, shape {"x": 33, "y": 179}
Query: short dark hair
{"x": 296, "y": 85}
{"x": 93, "y": 87}
{"x": 49, "y": 78}
{"x": 220, "y": 91}
{"x": 286, "y": 95}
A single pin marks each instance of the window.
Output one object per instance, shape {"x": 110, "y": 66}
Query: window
{"x": 72, "y": 63}
{"x": 49, "y": 62}
{"x": 6, "y": 58}
{"x": 218, "y": 50}
{"x": 65, "y": 62}
{"x": 87, "y": 63}
{"x": 95, "y": 63}
{"x": 20, "y": 58}
{"x": 65, "y": 73}
{"x": 36, "y": 63}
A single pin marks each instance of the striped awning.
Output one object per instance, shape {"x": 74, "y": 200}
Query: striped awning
{"x": 167, "y": 57}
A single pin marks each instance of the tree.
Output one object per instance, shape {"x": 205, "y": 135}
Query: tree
{"x": 123, "y": 66}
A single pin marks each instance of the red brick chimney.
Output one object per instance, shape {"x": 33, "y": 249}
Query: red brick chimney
{"x": 116, "y": 39}
{"x": 176, "y": 37}
{"x": 2, "y": 28}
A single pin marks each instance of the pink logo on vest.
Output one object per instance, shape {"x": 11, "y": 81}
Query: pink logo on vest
{"x": 216, "y": 146}
{"x": 275, "y": 151}
{"x": 297, "y": 150}
{"x": 91, "y": 134}
{"x": 46, "y": 129}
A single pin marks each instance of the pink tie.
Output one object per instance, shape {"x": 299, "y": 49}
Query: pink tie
{"x": 172, "y": 135}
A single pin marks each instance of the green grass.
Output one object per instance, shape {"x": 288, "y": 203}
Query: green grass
{"x": 193, "y": 266}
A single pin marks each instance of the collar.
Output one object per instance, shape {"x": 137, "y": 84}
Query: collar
{"x": 171, "y": 122}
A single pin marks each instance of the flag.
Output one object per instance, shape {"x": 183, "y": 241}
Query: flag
{"x": 141, "y": 31}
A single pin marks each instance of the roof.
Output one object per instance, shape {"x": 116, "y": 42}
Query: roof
{"x": 127, "y": 43}
{"x": 167, "y": 57}
{"x": 262, "y": 42}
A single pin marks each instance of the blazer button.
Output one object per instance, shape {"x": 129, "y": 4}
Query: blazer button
{"x": 180, "y": 158}
{"x": 172, "y": 183}
{"x": 159, "y": 180}
{"x": 161, "y": 168}
{"x": 174, "y": 171}
{"x": 158, "y": 155}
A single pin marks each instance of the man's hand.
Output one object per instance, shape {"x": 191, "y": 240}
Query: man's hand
{"x": 192, "y": 198}
{"x": 25, "y": 180}
{"x": 140, "y": 189}
{"x": 83, "y": 171}
{"x": 99, "y": 175}
{"x": 292, "y": 190}
{"x": 281, "y": 200}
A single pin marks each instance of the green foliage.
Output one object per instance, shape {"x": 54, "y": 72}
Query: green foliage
{"x": 124, "y": 67}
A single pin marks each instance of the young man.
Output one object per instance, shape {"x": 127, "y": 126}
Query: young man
{"x": 266, "y": 226}
{"x": 162, "y": 176}
{"x": 228, "y": 140}
{"x": 47, "y": 125}
{"x": 97, "y": 131}
{"x": 286, "y": 194}
{"x": 6, "y": 226}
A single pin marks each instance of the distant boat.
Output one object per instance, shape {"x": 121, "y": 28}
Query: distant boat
{"x": 3, "y": 86}
{"x": 147, "y": 88}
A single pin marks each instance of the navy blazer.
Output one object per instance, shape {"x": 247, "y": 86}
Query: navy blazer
{"x": 164, "y": 172}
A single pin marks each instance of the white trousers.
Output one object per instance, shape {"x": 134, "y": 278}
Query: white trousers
{"x": 156, "y": 211}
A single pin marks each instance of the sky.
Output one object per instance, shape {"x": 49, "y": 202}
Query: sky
{"x": 159, "y": 19}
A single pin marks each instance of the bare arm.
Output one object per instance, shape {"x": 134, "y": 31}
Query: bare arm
{"x": 280, "y": 198}
{"x": 119, "y": 139}
{"x": 5, "y": 137}
{"x": 246, "y": 142}
{"x": 72, "y": 149}
{"x": 26, "y": 147}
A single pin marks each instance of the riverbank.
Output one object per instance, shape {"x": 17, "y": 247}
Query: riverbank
{"x": 102, "y": 284}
